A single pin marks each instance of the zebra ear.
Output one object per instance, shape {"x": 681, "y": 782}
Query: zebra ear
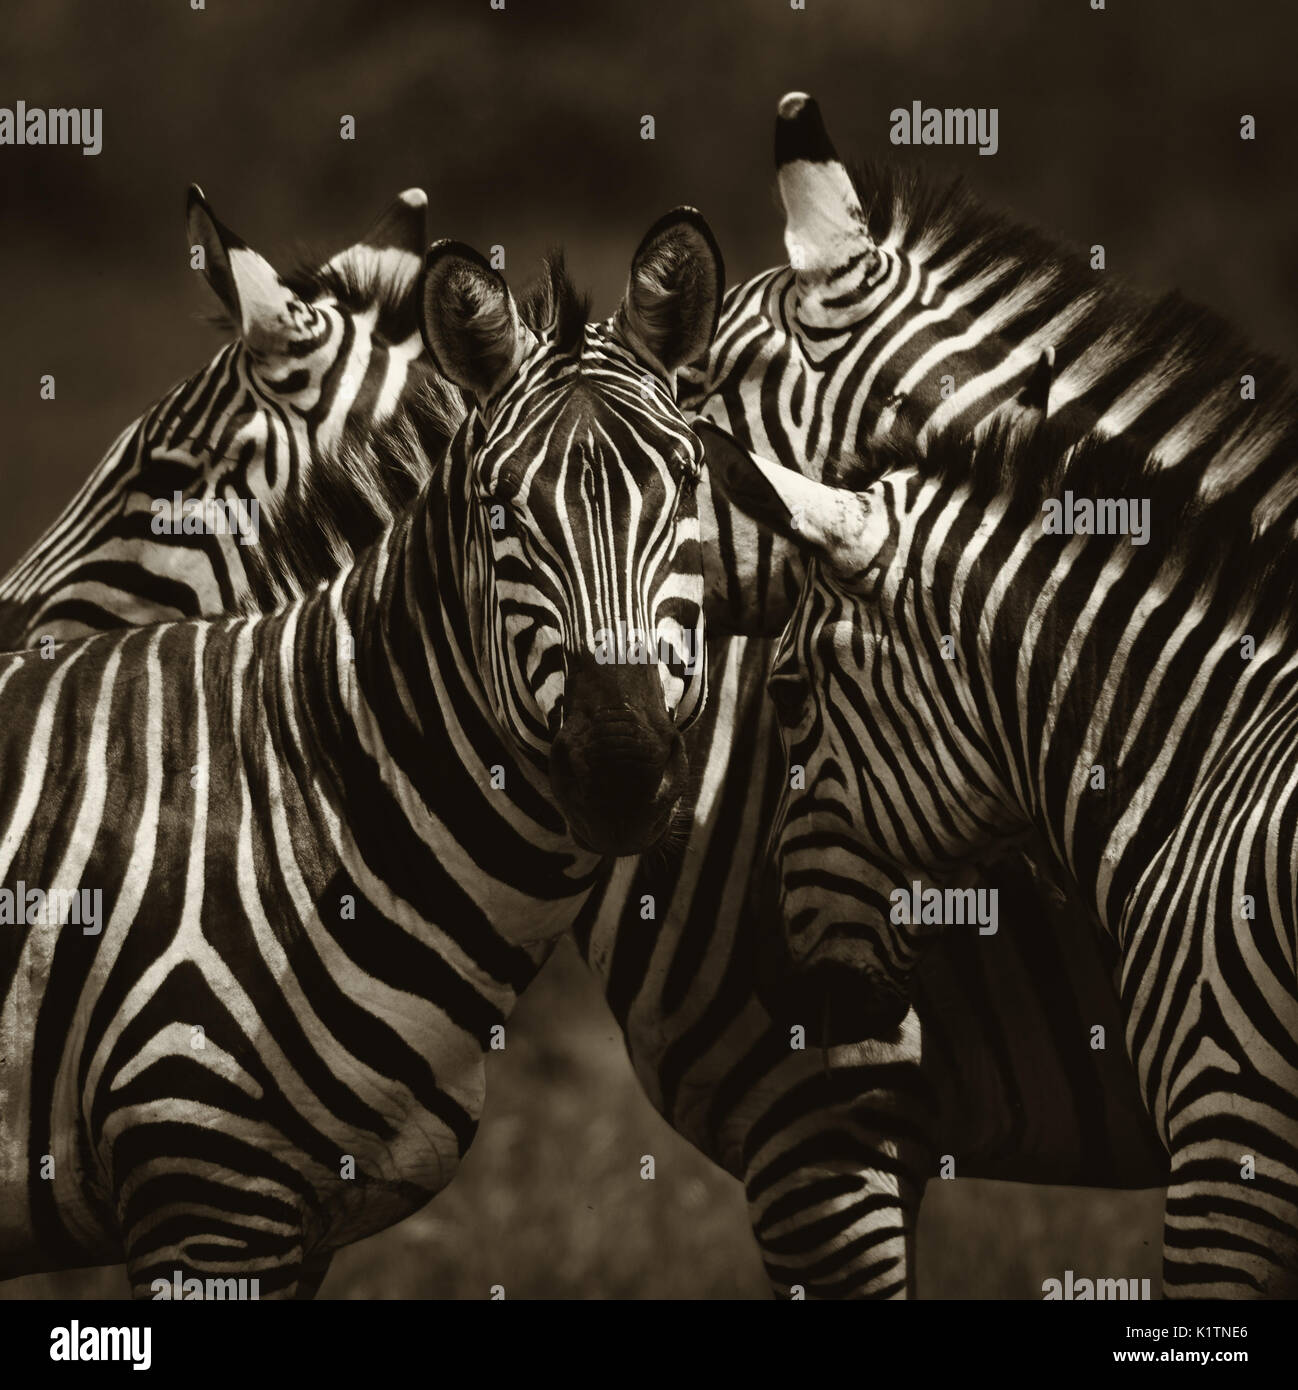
{"x": 673, "y": 298}
{"x": 742, "y": 479}
{"x": 751, "y": 576}
{"x": 387, "y": 261}
{"x": 814, "y": 516}
{"x": 268, "y": 314}
{"x": 403, "y": 226}
{"x": 469, "y": 320}
{"x": 825, "y": 230}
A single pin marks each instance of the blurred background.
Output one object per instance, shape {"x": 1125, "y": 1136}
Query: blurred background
{"x": 1118, "y": 126}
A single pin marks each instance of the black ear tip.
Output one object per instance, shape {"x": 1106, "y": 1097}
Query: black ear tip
{"x": 705, "y": 429}
{"x": 800, "y": 132}
{"x": 437, "y": 250}
{"x": 196, "y": 199}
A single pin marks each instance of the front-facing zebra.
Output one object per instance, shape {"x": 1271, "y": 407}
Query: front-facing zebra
{"x": 326, "y": 844}
{"x": 961, "y": 670}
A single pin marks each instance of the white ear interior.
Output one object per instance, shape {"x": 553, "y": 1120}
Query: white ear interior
{"x": 824, "y": 224}
{"x": 266, "y": 305}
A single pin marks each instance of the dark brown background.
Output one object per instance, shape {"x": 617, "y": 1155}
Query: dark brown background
{"x": 1120, "y": 127}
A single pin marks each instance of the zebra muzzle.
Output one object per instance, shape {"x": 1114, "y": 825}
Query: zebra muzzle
{"x": 617, "y": 764}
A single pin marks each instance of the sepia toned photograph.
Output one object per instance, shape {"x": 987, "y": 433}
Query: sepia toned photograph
{"x": 650, "y": 652}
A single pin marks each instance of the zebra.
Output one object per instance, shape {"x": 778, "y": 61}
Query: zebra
{"x": 835, "y": 1139}
{"x": 332, "y": 511}
{"x": 326, "y": 837}
{"x": 893, "y": 284}
{"x": 319, "y": 354}
{"x": 803, "y": 1143}
{"x": 797, "y": 357}
{"x": 906, "y": 307}
{"x": 960, "y": 670}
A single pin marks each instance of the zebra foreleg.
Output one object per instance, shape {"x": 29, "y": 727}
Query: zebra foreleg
{"x": 213, "y": 1260}
{"x": 835, "y": 1227}
{"x": 1228, "y": 1235}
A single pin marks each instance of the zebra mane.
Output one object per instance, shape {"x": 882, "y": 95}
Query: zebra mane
{"x": 352, "y": 494}
{"x": 1198, "y": 356}
{"x": 1243, "y": 531}
{"x": 551, "y": 304}
{"x": 1222, "y": 442}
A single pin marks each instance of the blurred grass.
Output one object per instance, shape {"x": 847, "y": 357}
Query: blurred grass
{"x": 550, "y": 1202}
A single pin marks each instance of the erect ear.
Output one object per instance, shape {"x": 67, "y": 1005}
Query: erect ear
{"x": 673, "y": 297}
{"x": 392, "y": 251}
{"x": 388, "y": 258}
{"x": 269, "y": 315}
{"x": 825, "y": 231}
{"x": 469, "y": 320}
{"x": 403, "y": 225}
{"x": 814, "y": 516}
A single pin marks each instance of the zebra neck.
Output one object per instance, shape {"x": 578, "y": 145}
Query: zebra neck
{"x": 1110, "y": 691}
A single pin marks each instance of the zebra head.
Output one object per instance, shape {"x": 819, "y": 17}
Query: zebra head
{"x": 892, "y": 315}
{"x": 318, "y": 350}
{"x": 318, "y": 355}
{"x": 881, "y": 793}
{"x": 582, "y": 553}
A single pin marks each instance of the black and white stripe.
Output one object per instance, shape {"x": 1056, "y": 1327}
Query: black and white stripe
{"x": 319, "y": 354}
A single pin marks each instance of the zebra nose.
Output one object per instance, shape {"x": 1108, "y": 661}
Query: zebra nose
{"x": 617, "y": 781}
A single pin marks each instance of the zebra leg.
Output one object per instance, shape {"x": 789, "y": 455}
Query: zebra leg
{"x": 834, "y": 1204}
{"x": 203, "y": 1264}
{"x": 835, "y": 1234}
{"x": 227, "y": 1239}
{"x": 1231, "y": 1222}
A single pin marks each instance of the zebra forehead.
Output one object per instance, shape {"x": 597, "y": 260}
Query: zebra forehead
{"x": 606, "y": 421}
